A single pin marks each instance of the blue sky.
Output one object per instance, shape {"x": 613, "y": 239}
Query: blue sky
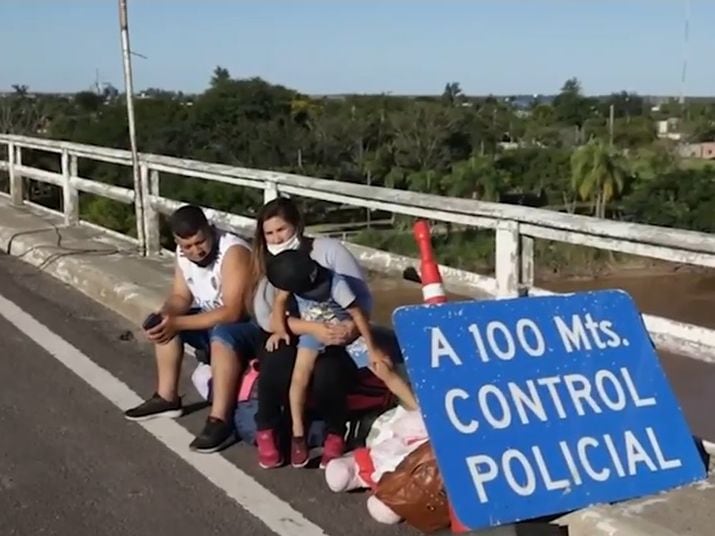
{"x": 399, "y": 46}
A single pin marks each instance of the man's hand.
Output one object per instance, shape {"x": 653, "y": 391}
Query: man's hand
{"x": 164, "y": 331}
{"x": 275, "y": 339}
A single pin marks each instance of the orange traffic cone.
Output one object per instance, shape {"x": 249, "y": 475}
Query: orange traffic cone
{"x": 433, "y": 292}
{"x": 432, "y": 287}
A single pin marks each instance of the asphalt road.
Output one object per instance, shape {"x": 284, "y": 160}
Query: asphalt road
{"x": 70, "y": 464}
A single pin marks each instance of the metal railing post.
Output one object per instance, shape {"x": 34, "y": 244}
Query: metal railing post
{"x": 150, "y": 182}
{"x": 14, "y": 156}
{"x": 526, "y": 280}
{"x": 70, "y": 195}
{"x": 270, "y": 191}
{"x": 507, "y": 259}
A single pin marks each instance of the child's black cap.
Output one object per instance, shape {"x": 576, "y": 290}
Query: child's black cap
{"x": 296, "y": 272}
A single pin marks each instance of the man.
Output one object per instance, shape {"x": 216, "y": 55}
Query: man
{"x": 206, "y": 309}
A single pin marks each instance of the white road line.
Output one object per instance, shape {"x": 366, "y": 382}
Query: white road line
{"x": 277, "y": 514}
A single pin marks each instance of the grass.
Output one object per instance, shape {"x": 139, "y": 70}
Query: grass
{"x": 696, "y": 163}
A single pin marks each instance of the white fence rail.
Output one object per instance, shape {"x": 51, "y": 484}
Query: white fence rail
{"x": 515, "y": 227}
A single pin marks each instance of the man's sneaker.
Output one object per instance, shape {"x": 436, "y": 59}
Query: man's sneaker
{"x": 269, "y": 457}
{"x": 215, "y": 436}
{"x": 299, "y": 454}
{"x": 155, "y": 407}
{"x": 333, "y": 447}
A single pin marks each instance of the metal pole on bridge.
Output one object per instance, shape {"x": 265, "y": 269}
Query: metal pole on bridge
{"x": 129, "y": 92}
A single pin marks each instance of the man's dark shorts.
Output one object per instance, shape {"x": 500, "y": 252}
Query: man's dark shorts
{"x": 243, "y": 337}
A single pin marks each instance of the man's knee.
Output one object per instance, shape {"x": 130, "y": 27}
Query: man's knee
{"x": 173, "y": 349}
{"x": 239, "y": 338}
{"x": 223, "y": 349}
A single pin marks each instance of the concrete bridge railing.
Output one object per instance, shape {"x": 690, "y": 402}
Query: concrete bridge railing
{"x": 516, "y": 227}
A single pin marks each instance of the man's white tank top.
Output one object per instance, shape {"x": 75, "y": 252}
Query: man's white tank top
{"x": 205, "y": 283}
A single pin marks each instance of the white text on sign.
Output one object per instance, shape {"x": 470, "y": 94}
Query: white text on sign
{"x": 542, "y": 399}
{"x": 497, "y": 340}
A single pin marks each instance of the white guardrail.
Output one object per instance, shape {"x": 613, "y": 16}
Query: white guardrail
{"x": 516, "y": 227}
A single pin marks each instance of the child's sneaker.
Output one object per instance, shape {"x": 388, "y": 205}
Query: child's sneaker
{"x": 269, "y": 456}
{"x": 334, "y": 447}
{"x": 299, "y": 454}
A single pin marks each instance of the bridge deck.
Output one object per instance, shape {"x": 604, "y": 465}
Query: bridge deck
{"x": 106, "y": 269}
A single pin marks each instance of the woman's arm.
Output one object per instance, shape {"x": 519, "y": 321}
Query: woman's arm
{"x": 278, "y": 315}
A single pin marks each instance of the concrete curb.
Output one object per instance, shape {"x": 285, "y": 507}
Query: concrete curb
{"x": 610, "y": 521}
{"x": 34, "y": 237}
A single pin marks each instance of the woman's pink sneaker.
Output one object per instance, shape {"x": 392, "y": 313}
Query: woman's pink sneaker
{"x": 334, "y": 447}
{"x": 269, "y": 457}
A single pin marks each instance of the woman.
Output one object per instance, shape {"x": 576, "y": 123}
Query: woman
{"x": 279, "y": 227}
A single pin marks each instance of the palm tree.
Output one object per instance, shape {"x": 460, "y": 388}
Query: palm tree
{"x": 598, "y": 174}
{"x": 476, "y": 178}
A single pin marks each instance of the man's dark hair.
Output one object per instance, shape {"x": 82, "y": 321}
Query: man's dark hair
{"x": 188, "y": 220}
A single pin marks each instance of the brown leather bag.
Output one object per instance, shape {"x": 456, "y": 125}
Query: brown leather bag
{"x": 415, "y": 491}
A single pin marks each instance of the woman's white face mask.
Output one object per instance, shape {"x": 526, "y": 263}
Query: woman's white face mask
{"x": 292, "y": 243}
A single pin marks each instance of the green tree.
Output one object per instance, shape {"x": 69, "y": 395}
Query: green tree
{"x": 634, "y": 132}
{"x": 679, "y": 198}
{"x": 625, "y": 105}
{"x": 88, "y": 101}
{"x": 571, "y": 107}
{"x": 475, "y": 178}
{"x": 598, "y": 174}
{"x": 452, "y": 94}
{"x": 541, "y": 126}
{"x": 649, "y": 162}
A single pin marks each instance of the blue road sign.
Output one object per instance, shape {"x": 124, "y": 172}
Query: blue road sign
{"x": 536, "y": 406}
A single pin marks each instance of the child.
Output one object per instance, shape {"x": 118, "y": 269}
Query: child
{"x": 321, "y": 295}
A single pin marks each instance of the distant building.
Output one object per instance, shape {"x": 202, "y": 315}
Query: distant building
{"x": 704, "y": 150}
{"x": 669, "y": 128}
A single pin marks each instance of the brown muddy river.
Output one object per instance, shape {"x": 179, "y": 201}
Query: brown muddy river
{"x": 685, "y": 297}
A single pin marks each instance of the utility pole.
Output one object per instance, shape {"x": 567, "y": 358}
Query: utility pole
{"x": 610, "y": 122}
{"x": 129, "y": 92}
{"x": 686, "y": 37}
